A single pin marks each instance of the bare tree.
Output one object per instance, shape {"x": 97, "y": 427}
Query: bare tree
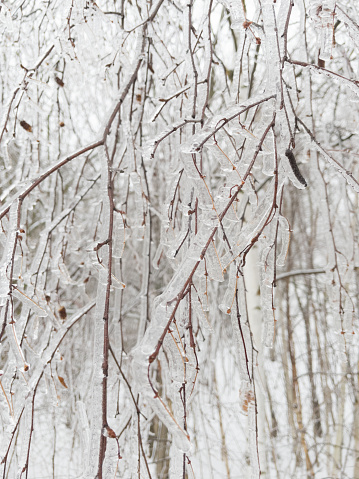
{"x": 179, "y": 230}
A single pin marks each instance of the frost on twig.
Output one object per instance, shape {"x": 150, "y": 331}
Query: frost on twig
{"x": 173, "y": 301}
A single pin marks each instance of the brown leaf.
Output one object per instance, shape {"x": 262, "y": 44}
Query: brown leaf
{"x": 246, "y": 24}
{"x": 110, "y": 432}
{"x": 59, "y": 81}
{"x": 62, "y": 312}
{"x": 62, "y": 381}
{"x": 26, "y": 126}
{"x": 247, "y": 400}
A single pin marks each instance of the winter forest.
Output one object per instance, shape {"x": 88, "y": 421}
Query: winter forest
{"x": 179, "y": 230}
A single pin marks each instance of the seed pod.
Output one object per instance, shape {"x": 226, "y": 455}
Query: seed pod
{"x": 294, "y": 166}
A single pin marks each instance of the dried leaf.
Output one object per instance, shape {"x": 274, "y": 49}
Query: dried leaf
{"x": 59, "y": 82}
{"x": 62, "y": 312}
{"x": 62, "y": 381}
{"x": 26, "y": 126}
{"x": 110, "y": 432}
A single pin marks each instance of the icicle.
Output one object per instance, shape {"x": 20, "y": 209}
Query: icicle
{"x": 6, "y": 406}
{"x": 213, "y": 263}
{"x": 191, "y": 371}
{"x": 228, "y": 301}
{"x": 325, "y": 220}
{"x": 246, "y": 397}
{"x": 266, "y": 286}
{"x": 11, "y": 156}
{"x": 138, "y": 222}
{"x": 144, "y": 284}
{"x": 83, "y": 426}
{"x": 201, "y": 284}
{"x": 54, "y": 397}
{"x": 322, "y": 13}
{"x": 180, "y": 437}
{"x": 103, "y": 273}
{"x": 158, "y": 256}
{"x": 209, "y": 217}
{"x": 268, "y": 327}
{"x": 176, "y": 463}
{"x": 119, "y": 238}
{"x": 268, "y": 163}
{"x": 242, "y": 337}
{"x": 237, "y": 14}
{"x": 96, "y": 388}
{"x": 235, "y": 212}
{"x": 103, "y": 233}
{"x": 154, "y": 332}
{"x": 35, "y": 333}
{"x": 252, "y": 442}
{"x": 7, "y": 258}
{"x": 249, "y": 231}
{"x": 216, "y": 155}
{"x": 176, "y": 356}
{"x": 203, "y": 194}
{"x": 26, "y": 434}
{"x": 177, "y": 244}
{"x": 37, "y": 309}
{"x": 285, "y": 235}
{"x": 38, "y": 258}
{"x": 240, "y": 85}
{"x": 346, "y": 174}
{"x": 205, "y": 134}
{"x": 158, "y": 405}
{"x": 202, "y": 315}
{"x": 282, "y": 17}
{"x": 350, "y": 24}
{"x": 7, "y": 106}
{"x": 242, "y": 206}
{"x": 15, "y": 347}
{"x": 198, "y": 243}
{"x": 272, "y": 57}
{"x": 242, "y": 302}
